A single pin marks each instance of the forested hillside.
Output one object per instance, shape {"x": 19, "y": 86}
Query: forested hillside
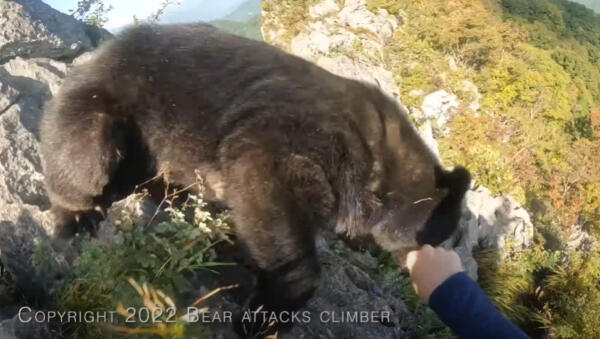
{"x": 536, "y": 135}
{"x": 593, "y": 4}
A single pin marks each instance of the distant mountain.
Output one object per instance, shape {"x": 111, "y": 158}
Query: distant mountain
{"x": 244, "y": 21}
{"x": 246, "y": 11}
{"x": 200, "y": 10}
{"x": 249, "y": 29}
{"x": 592, "y": 4}
{"x": 241, "y": 17}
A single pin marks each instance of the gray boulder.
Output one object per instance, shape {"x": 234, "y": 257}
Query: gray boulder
{"x": 30, "y": 28}
{"x": 356, "y": 15}
{"x": 579, "y": 239}
{"x": 24, "y": 87}
{"x": 346, "y": 290}
{"x": 347, "y": 40}
{"x": 25, "y": 84}
{"x": 323, "y": 9}
{"x": 440, "y": 107}
{"x": 22, "y": 229}
{"x": 14, "y": 329}
{"x": 491, "y": 222}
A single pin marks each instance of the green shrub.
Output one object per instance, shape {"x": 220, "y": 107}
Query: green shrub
{"x": 392, "y": 6}
{"x": 291, "y": 14}
{"x": 102, "y": 274}
{"x": 93, "y": 12}
{"x": 542, "y": 289}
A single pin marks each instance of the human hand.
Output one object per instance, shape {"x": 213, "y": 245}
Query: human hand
{"x": 429, "y": 267}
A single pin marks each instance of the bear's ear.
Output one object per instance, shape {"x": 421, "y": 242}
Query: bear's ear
{"x": 445, "y": 217}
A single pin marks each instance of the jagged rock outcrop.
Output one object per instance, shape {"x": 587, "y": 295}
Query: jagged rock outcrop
{"x": 490, "y": 222}
{"x": 24, "y": 87}
{"x": 30, "y": 28}
{"x": 440, "y": 107}
{"x": 346, "y": 289}
{"x": 345, "y": 40}
{"x": 579, "y": 239}
{"x": 348, "y": 40}
{"x": 24, "y": 220}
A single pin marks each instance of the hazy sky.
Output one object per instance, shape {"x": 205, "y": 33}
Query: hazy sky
{"x": 122, "y": 14}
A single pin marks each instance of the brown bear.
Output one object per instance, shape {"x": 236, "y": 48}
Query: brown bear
{"x": 286, "y": 145}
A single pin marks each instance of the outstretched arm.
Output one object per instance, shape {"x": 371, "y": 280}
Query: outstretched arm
{"x": 439, "y": 280}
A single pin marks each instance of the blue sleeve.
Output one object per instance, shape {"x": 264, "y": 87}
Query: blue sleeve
{"x": 462, "y": 305}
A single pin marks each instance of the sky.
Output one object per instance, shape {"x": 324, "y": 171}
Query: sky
{"x": 188, "y": 10}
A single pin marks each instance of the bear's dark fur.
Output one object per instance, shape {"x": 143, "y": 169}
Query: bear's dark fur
{"x": 286, "y": 145}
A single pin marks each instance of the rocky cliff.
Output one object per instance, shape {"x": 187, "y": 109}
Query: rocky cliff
{"x": 33, "y": 29}
{"x": 35, "y": 44}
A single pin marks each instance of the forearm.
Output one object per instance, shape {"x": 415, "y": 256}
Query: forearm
{"x": 462, "y": 305}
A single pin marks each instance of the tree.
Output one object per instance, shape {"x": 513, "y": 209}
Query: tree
{"x": 93, "y": 12}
